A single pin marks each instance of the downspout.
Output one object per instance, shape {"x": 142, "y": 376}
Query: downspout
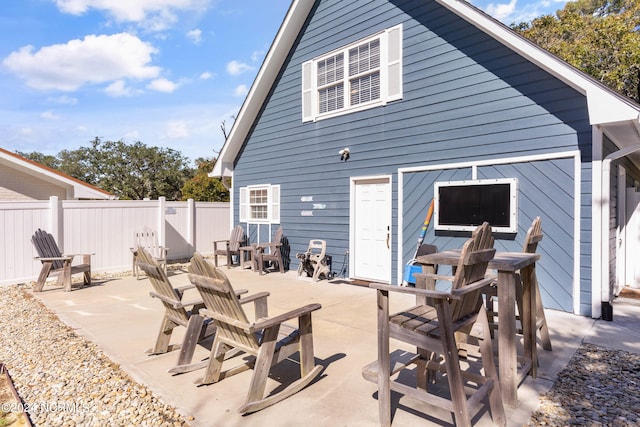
{"x": 605, "y": 287}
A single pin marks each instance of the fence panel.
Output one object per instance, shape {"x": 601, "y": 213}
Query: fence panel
{"x": 106, "y": 229}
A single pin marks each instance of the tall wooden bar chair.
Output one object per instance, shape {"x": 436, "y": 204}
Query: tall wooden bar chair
{"x": 432, "y": 326}
{"x": 530, "y": 245}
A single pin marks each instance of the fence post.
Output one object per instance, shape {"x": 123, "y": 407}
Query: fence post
{"x": 162, "y": 206}
{"x": 191, "y": 225}
{"x": 55, "y": 221}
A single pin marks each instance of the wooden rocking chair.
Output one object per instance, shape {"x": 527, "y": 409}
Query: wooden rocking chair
{"x": 274, "y": 254}
{"x": 177, "y": 313}
{"x": 54, "y": 263}
{"x": 432, "y": 326}
{"x": 231, "y": 247}
{"x": 269, "y": 340}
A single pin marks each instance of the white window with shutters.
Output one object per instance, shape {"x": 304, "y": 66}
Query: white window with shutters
{"x": 260, "y": 204}
{"x": 362, "y": 75}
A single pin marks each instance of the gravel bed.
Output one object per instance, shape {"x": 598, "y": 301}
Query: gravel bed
{"x": 599, "y": 387}
{"x": 65, "y": 380}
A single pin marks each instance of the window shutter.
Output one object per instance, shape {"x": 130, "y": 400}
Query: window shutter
{"x": 394, "y": 63}
{"x": 244, "y": 203}
{"x": 307, "y": 92}
{"x": 274, "y": 204}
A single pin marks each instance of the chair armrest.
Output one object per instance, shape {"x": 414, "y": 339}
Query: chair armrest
{"x": 54, "y": 258}
{"x": 413, "y": 291}
{"x": 277, "y": 320}
{"x": 252, "y": 297}
{"x": 84, "y": 254}
{"x": 487, "y": 281}
{"x": 181, "y": 289}
{"x": 263, "y": 246}
{"x": 174, "y": 303}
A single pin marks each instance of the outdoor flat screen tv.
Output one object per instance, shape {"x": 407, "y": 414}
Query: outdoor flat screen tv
{"x": 463, "y": 205}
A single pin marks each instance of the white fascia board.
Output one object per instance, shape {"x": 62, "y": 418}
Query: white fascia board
{"x": 289, "y": 30}
{"x": 605, "y": 106}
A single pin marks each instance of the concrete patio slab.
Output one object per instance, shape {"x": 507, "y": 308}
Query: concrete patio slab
{"x": 120, "y": 317}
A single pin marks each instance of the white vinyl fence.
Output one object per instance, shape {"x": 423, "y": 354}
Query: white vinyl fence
{"x": 106, "y": 229}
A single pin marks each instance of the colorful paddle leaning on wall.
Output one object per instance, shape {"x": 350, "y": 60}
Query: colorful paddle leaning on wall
{"x": 410, "y": 269}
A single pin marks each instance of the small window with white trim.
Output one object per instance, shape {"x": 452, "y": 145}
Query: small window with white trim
{"x": 260, "y": 204}
{"x": 362, "y": 75}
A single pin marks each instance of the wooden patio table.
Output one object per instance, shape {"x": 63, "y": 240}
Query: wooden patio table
{"x": 506, "y": 264}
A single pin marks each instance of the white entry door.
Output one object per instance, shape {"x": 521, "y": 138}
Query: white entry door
{"x": 371, "y": 229}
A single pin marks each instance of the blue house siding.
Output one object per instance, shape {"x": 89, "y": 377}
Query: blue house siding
{"x": 555, "y": 205}
{"x": 465, "y": 97}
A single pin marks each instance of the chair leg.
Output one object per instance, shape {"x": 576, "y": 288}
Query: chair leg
{"x": 214, "y": 368}
{"x": 488, "y": 363}
{"x": 66, "y": 276}
{"x": 42, "y": 277}
{"x": 452, "y": 363}
{"x": 544, "y": 329}
{"x": 191, "y": 338}
{"x": 164, "y": 336}
{"x": 384, "y": 360}
{"x": 263, "y": 365}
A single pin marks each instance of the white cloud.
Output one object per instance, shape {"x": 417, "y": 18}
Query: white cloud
{"x": 235, "y": 68}
{"x": 95, "y": 59}
{"x": 195, "y": 36}
{"x": 177, "y": 130}
{"x": 501, "y": 11}
{"x": 241, "y": 90}
{"x": 257, "y": 55}
{"x": 162, "y": 85}
{"x": 49, "y": 115}
{"x": 206, "y": 75}
{"x": 155, "y": 15}
{"x": 119, "y": 89}
{"x": 64, "y": 100}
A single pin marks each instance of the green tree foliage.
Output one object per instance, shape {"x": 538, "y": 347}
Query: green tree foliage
{"x": 204, "y": 188}
{"x": 43, "y": 159}
{"x": 599, "y": 37}
{"x": 130, "y": 171}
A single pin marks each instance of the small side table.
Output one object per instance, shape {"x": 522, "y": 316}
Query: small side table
{"x": 248, "y": 255}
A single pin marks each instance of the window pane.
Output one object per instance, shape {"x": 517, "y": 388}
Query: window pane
{"x": 365, "y": 57}
{"x": 258, "y": 204}
{"x": 258, "y": 212}
{"x": 331, "y": 70}
{"x": 331, "y": 98}
{"x": 365, "y": 88}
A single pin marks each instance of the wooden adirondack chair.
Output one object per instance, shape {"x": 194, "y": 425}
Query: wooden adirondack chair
{"x": 231, "y": 247}
{"x": 268, "y": 340}
{"x": 148, "y": 239}
{"x": 533, "y": 237}
{"x": 54, "y": 263}
{"x": 432, "y": 326}
{"x": 274, "y": 253}
{"x": 177, "y": 313}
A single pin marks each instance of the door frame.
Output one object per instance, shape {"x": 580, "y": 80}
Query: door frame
{"x": 354, "y": 181}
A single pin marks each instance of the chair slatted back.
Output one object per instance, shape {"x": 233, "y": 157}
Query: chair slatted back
{"x": 47, "y": 247}
{"x": 534, "y": 235}
{"x": 472, "y": 267}
{"x": 222, "y": 302}
{"x": 237, "y": 238}
{"x": 147, "y": 238}
{"x": 162, "y": 286}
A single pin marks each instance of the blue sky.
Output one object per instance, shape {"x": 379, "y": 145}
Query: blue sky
{"x": 163, "y": 72}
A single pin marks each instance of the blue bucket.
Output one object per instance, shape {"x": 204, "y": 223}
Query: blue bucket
{"x": 409, "y": 274}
